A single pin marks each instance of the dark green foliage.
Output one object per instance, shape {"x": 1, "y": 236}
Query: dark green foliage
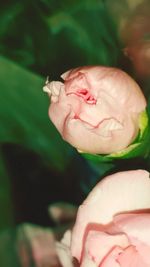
{"x": 52, "y": 36}
{"x": 45, "y": 38}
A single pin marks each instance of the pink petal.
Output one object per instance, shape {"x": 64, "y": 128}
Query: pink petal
{"x": 137, "y": 228}
{"x": 98, "y": 244}
{"x": 131, "y": 258}
{"x": 117, "y": 193}
{"x": 111, "y": 259}
{"x": 99, "y": 138}
{"x": 111, "y": 80}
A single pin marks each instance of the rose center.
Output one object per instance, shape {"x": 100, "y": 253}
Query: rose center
{"x": 85, "y": 95}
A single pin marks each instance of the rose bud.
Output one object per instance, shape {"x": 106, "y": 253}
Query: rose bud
{"x": 113, "y": 224}
{"x": 96, "y": 109}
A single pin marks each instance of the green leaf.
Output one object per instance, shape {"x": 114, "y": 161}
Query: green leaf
{"x": 8, "y": 250}
{"x": 24, "y": 115}
{"x": 24, "y": 121}
{"x": 63, "y": 35}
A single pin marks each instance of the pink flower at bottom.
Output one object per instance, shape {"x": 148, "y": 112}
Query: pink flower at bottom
{"x": 123, "y": 243}
{"x": 112, "y": 228}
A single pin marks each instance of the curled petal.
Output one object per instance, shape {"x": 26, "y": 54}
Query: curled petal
{"x": 98, "y": 244}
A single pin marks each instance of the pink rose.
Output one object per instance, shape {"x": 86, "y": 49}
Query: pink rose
{"x": 112, "y": 228}
{"x": 96, "y": 109}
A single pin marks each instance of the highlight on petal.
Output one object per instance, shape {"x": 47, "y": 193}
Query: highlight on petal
{"x": 63, "y": 250}
{"x": 53, "y": 89}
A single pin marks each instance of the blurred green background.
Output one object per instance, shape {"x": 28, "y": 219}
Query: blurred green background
{"x": 38, "y": 39}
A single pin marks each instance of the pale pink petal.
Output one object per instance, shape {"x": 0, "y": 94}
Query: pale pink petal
{"x": 102, "y": 137}
{"x": 88, "y": 262}
{"x": 111, "y": 80}
{"x": 137, "y": 228}
{"x": 130, "y": 257}
{"x": 58, "y": 112}
{"x": 117, "y": 193}
{"x": 98, "y": 244}
{"x": 75, "y": 85}
{"x": 111, "y": 258}
{"x": 63, "y": 250}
